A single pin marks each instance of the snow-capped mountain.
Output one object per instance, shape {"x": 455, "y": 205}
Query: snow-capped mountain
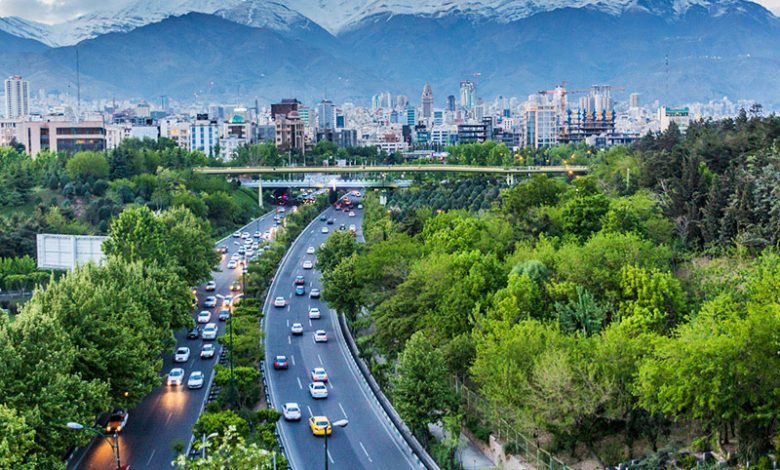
{"x": 335, "y": 16}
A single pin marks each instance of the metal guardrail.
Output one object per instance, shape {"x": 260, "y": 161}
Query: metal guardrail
{"x": 437, "y": 168}
{"x": 419, "y": 451}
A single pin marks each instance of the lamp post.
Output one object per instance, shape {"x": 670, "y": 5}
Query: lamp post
{"x": 340, "y": 423}
{"x": 112, "y": 439}
{"x": 204, "y": 439}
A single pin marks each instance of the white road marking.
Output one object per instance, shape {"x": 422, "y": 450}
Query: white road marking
{"x": 342, "y": 410}
{"x": 309, "y": 408}
{"x": 365, "y": 451}
{"x": 330, "y": 384}
{"x": 330, "y": 458}
{"x": 318, "y": 357}
{"x": 289, "y": 340}
{"x": 310, "y": 322}
{"x": 300, "y": 385}
{"x": 292, "y": 358}
{"x": 288, "y": 323}
{"x": 288, "y": 307}
{"x": 170, "y": 413}
{"x": 151, "y": 457}
{"x": 290, "y": 296}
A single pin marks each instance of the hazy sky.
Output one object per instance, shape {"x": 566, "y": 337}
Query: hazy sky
{"x": 55, "y": 11}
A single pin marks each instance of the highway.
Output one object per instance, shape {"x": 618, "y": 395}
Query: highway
{"x": 167, "y": 414}
{"x": 368, "y": 441}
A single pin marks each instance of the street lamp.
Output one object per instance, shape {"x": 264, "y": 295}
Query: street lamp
{"x": 112, "y": 439}
{"x": 204, "y": 439}
{"x": 340, "y": 423}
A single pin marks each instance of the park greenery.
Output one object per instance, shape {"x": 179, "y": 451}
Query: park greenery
{"x": 619, "y": 315}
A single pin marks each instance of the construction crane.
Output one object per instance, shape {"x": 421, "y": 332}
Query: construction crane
{"x": 562, "y": 92}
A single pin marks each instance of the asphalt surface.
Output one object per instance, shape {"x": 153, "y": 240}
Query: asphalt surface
{"x": 168, "y": 414}
{"x": 368, "y": 441}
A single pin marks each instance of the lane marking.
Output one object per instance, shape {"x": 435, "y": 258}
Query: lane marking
{"x": 151, "y": 457}
{"x": 330, "y": 458}
{"x": 288, "y": 323}
{"x": 300, "y": 385}
{"x": 318, "y": 357}
{"x": 170, "y": 413}
{"x": 310, "y": 324}
{"x": 365, "y": 451}
{"x": 289, "y": 340}
{"x": 310, "y": 413}
{"x": 292, "y": 357}
{"x": 342, "y": 410}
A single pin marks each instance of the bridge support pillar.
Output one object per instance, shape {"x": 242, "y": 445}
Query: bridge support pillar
{"x": 260, "y": 192}
{"x": 510, "y": 179}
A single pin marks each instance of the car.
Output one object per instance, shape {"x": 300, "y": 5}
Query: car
{"x": 314, "y": 313}
{"x": 195, "y": 380}
{"x": 224, "y": 315}
{"x": 210, "y": 331}
{"x": 258, "y": 234}
{"x": 235, "y": 286}
{"x": 211, "y": 286}
{"x": 207, "y": 351}
{"x": 210, "y": 302}
{"x": 241, "y": 250}
{"x": 236, "y": 234}
{"x": 360, "y": 206}
{"x": 280, "y": 210}
{"x": 117, "y": 421}
{"x": 314, "y": 294}
{"x": 310, "y": 250}
{"x": 331, "y": 221}
{"x": 296, "y": 329}
{"x": 291, "y": 411}
{"x": 227, "y": 301}
{"x": 222, "y": 249}
{"x": 323, "y": 218}
{"x": 318, "y": 374}
{"x": 232, "y": 264}
{"x": 320, "y": 336}
{"x": 280, "y": 302}
{"x": 281, "y": 362}
{"x": 351, "y": 214}
{"x": 255, "y": 246}
{"x": 250, "y": 253}
{"x": 299, "y": 280}
{"x": 308, "y": 264}
{"x": 324, "y": 230}
{"x": 300, "y": 290}
{"x": 342, "y": 227}
{"x": 176, "y": 376}
{"x": 318, "y": 390}
{"x": 244, "y": 270}
{"x": 338, "y": 206}
{"x": 245, "y": 235}
{"x": 182, "y": 354}
{"x": 204, "y": 316}
{"x": 346, "y": 209}
{"x": 356, "y": 193}
{"x": 320, "y": 426}
{"x": 194, "y": 333}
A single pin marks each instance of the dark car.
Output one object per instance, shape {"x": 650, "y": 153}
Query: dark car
{"x": 342, "y": 227}
{"x": 330, "y": 221}
{"x": 222, "y": 249}
{"x": 280, "y": 362}
{"x": 194, "y": 333}
{"x": 323, "y": 218}
{"x": 117, "y": 421}
{"x": 299, "y": 280}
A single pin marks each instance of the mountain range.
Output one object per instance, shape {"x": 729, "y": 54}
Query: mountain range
{"x": 675, "y": 51}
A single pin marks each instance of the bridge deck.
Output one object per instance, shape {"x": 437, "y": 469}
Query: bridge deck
{"x": 519, "y": 170}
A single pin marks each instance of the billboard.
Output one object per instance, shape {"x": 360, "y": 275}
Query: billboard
{"x": 68, "y": 251}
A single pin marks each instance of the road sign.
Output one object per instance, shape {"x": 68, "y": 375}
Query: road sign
{"x": 68, "y": 251}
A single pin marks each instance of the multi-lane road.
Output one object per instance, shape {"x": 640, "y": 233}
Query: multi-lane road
{"x": 369, "y": 440}
{"x": 168, "y": 413}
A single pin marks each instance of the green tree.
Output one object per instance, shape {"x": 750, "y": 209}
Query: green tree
{"x": 87, "y": 166}
{"x": 17, "y": 441}
{"x": 189, "y": 244}
{"x": 650, "y": 298}
{"x": 421, "y": 391}
{"x": 582, "y": 215}
{"x": 337, "y": 247}
{"x": 219, "y": 422}
{"x": 137, "y": 234}
{"x": 583, "y": 314}
{"x": 341, "y": 288}
{"x": 231, "y": 452}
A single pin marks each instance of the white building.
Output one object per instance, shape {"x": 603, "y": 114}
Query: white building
{"x": 541, "y": 122}
{"x": 679, "y": 116}
{"x": 204, "y": 136}
{"x": 17, "y": 97}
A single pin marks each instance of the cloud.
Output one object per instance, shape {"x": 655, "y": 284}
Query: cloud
{"x": 55, "y": 11}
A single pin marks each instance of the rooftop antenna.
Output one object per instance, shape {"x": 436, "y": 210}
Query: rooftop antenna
{"x": 78, "y": 87}
{"x": 666, "y": 79}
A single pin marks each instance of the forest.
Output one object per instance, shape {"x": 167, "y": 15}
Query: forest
{"x": 632, "y": 313}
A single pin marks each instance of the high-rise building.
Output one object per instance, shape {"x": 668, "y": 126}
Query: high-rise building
{"x": 411, "y": 116}
{"x": 427, "y": 101}
{"x": 468, "y": 91}
{"x": 633, "y": 100}
{"x": 290, "y": 132}
{"x": 284, "y": 108}
{"x": 541, "y": 122}
{"x": 17, "y": 97}
{"x": 451, "y": 103}
{"x": 204, "y": 135}
{"x": 326, "y": 115}
{"x": 401, "y": 101}
{"x": 680, "y": 116}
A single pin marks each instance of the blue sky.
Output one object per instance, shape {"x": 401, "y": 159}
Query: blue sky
{"x": 55, "y": 11}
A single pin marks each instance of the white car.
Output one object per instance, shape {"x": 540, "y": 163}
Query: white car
{"x": 245, "y": 235}
{"x": 250, "y": 253}
{"x": 258, "y": 234}
{"x": 320, "y": 336}
{"x": 318, "y": 374}
{"x": 232, "y": 264}
{"x": 291, "y": 411}
{"x": 351, "y": 213}
{"x": 210, "y": 302}
{"x": 211, "y": 285}
{"x": 314, "y": 313}
{"x": 195, "y": 380}
{"x": 324, "y": 230}
{"x": 176, "y": 376}
{"x": 308, "y": 264}
{"x": 182, "y": 354}
{"x": 210, "y": 331}
{"x": 280, "y": 302}
{"x": 204, "y": 316}
{"x": 318, "y": 390}
{"x": 296, "y": 329}
{"x": 310, "y": 250}
{"x": 236, "y": 234}
{"x": 360, "y": 206}
{"x": 207, "y": 351}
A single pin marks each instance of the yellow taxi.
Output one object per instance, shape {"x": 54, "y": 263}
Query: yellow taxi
{"x": 319, "y": 425}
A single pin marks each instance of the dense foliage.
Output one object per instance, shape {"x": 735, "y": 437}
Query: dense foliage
{"x": 602, "y": 315}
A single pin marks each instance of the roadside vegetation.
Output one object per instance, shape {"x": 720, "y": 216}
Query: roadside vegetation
{"x": 630, "y": 313}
